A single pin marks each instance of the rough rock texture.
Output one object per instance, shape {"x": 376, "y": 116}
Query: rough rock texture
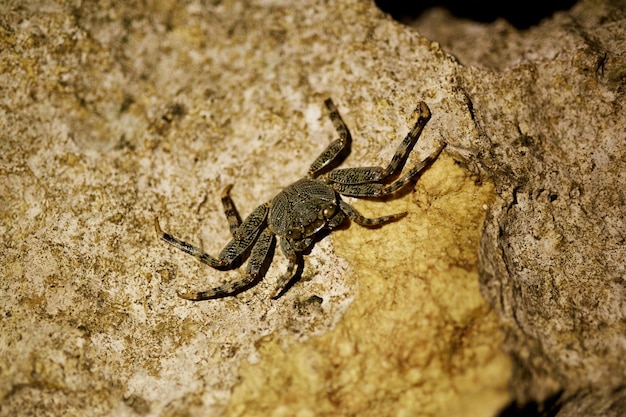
{"x": 549, "y": 103}
{"x": 418, "y": 340}
{"x": 112, "y": 114}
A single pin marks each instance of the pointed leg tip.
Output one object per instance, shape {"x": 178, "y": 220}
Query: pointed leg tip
{"x": 329, "y": 104}
{"x": 394, "y": 218}
{"x": 191, "y": 296}
{"x": 157, "y": 226}
{"x": 424, "y": 110}
{"x": 226, "y": 190}
{"x": 440, "y": 146}
{"x": 277, "y": 293}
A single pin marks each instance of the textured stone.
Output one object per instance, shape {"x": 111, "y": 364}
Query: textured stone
{"x": 549, "y": 103}
{"x": 418, "y": 338}
{"x": 113, "y": 114}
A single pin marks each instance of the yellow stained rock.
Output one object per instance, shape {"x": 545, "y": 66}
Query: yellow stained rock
{"x": 417, "y": 340}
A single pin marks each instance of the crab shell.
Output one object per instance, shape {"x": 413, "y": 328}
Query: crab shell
{"x": 302, "y": 210}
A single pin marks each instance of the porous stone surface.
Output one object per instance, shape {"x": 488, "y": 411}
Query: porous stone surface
{"x": 113, "y": 114}
{"x": 417, "y": 340}
{"x": 549, "y": 103}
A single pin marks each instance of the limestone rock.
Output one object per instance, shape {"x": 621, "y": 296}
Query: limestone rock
{"x": 549, "y": 103}
{"x": 112, "y": 115}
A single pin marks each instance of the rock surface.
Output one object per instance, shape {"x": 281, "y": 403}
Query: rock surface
{"x": 112, "y": 115}
{"x": 549, "y": 103}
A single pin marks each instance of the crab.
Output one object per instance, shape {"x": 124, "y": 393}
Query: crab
{"x": 305, "y": 211}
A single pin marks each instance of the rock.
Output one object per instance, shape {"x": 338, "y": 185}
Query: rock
{"x": 549, "y": 103}
{"x": 114, "y": 115}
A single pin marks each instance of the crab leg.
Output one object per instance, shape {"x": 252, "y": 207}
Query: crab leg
{"x": 284, "y": 279}
{"x": 367, "y": 181}
{"x": 377, "y": 189}
{"x": 246, "y": 235}
{"x": 359, "y": 219}
{"x": 402, "y": 153}
{"x": 338, "y": 149}
{"x": 234, "y": 220}
{"x": 413, "y": 172}
{"x": 257, "y": 266}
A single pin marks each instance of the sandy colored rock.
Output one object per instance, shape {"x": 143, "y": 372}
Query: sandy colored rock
{"x": 550, "y": 106}
{"x": 418, "y": 338}
{"x": 113, "y": 114}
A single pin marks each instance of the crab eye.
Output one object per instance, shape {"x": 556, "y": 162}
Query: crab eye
{"x": 329, "y": 211}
